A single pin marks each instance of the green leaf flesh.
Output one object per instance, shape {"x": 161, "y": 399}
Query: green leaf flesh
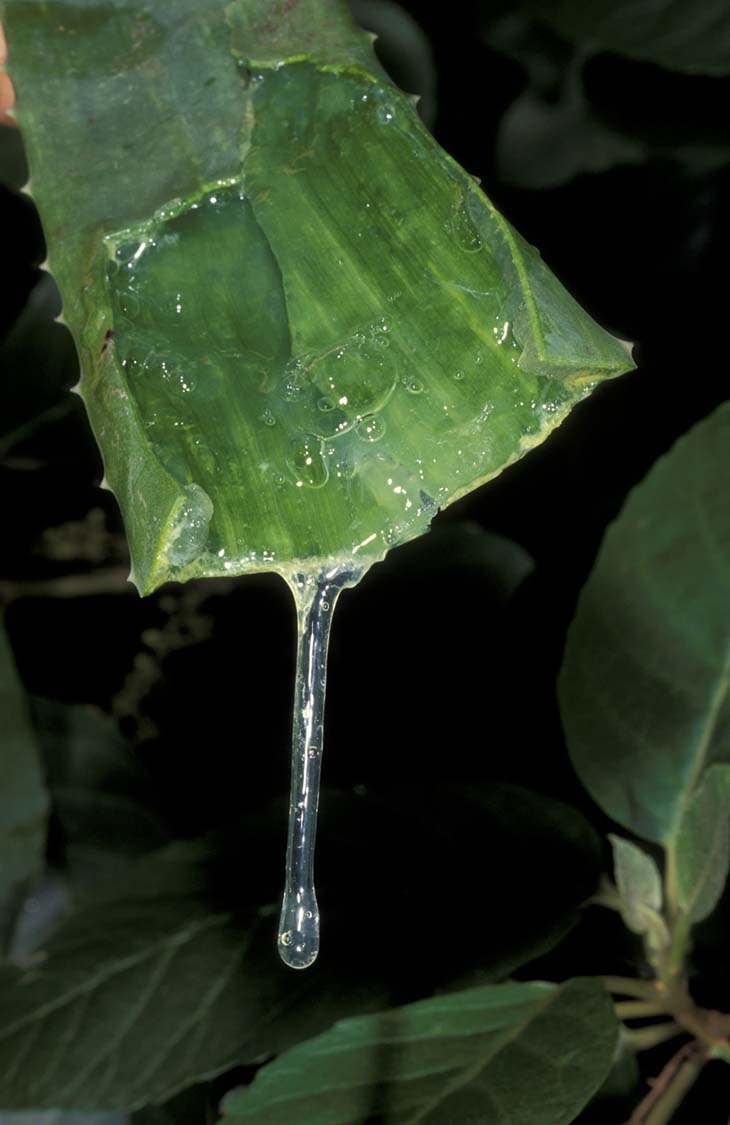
{"x": 297, "y": 347}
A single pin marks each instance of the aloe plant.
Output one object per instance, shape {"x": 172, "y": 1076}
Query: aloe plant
{"x": 303, "y": 329}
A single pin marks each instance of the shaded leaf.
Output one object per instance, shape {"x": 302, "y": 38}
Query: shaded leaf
{"x": 102, "y": 797}
{"x": 195, "y": 1106}
{"x": 542, "y": 857}
{"x": 60, "y": 1117}
{"x": 645, "y": 684}
{"x": 639, "y": 884}
{"x": 23, "y": 799}
{"x": 532, "y": 1053}
{"x": 549, "y": 132}
{"x": 134, "y": 999}
{"x": 702, "y": 845}
{"x": 322, "y": 329}
{"x": 693, "y": 37}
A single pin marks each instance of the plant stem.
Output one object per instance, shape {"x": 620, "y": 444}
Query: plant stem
{"x": 686, "y": 1076}
{"x": 630, "y": 986}
{"x": 644, "y": 1038}
{"x": 636, "y": 1009}
{"x": 691, "y": 1020}
{"x": 669, "y": 1087}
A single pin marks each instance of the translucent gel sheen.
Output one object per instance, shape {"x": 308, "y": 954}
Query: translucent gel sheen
{"x": 315, "y": 596}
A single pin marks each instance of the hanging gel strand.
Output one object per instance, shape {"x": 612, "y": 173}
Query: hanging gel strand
{"x": 315, "y": 596}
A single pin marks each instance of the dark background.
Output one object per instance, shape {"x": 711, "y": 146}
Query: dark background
{"x": 442, "y": 681}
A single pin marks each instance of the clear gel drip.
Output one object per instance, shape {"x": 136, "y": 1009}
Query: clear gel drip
{"x": 315, "y": 596}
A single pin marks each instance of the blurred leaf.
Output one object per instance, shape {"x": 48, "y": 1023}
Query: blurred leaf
{"x": 495, "y": 873}
{"x": 61, "y": 1117}
{"x": 624, "y": 1075}
{"x": 702, "y": 846}
{"x": 102, "y": 797}
{"x": 194, "y": 1106}
{"x": 549, "y": 133}
{"x": 303, "y": 329}
{"x": 23, "y": 800}
{"x": 466, "y": 548}
{"x": 135, "y": 999}
{"x": 35, "y": 343}
{"x": 645, "y": 684}
{"x": 532, "y": 1053}
{"x": 639, "y": 884}
{"x": 688, "y": 36}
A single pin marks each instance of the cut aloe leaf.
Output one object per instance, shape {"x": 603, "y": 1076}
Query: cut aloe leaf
{"x": 303, "y": 328}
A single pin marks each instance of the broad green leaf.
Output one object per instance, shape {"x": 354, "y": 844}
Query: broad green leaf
{"x": 23, "y": 799}
{"x": 702, "y": 846}
{"x": 532, "y": 1053}
{"x": 684, "y": 36}
{"x": 645, "y": 684}
{"x": 135, "y": 998}
{"x": 322, "y": 329}
{"x": 639, "y": 884}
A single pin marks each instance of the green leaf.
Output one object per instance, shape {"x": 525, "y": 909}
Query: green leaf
{"x": 689, "y": 36}
{"x": 702, "y": 846}
{"x": 645, "y": 684}
{"x": 639, "y": 884}
{"x": 544, "y": 861}
{"x": 323, "y": 330}
{"x": 23, "y": 799}
{"x": 532, "y": 1053}
{"x": 135, "y": 998}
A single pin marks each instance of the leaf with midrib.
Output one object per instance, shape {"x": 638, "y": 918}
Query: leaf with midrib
{"x": 645, "y": 684}
{"x": 529, "y": 1053}
{"x": 134, "y": 1000}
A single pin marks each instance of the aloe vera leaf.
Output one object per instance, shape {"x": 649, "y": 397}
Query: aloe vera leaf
{"x": 303, "y": 328}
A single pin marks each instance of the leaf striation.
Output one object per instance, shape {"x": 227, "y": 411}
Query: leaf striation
{"x": 303, "y": 328}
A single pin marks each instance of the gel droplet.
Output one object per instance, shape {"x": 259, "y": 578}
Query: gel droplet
{"x": 413, "y": 386}
{"x": 371, "y": 428}
{"x": 189, "y": 533}
{"x": 306, "y": 461}
{"x": 463, "y": 230}
{"x": 268, "y": 418}
{"x": 315, "y": 596}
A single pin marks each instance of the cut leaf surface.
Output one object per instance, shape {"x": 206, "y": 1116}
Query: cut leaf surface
{"x": 303, "y": 328}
